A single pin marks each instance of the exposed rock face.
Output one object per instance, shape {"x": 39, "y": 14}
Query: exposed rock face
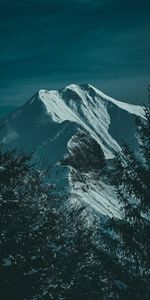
{"x": 74, "y": 129}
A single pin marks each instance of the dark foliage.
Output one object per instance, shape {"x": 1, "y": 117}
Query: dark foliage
{"x": 129, "y": 239}
{"x": 45, "y": 253}
{"x": 86, "y": 154}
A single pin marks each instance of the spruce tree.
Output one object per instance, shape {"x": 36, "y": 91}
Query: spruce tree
{"x": 129, "y": 237}
{"x": 45, "y": 249}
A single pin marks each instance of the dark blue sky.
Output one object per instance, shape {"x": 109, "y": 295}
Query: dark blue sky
{"x": 52, "y": 43}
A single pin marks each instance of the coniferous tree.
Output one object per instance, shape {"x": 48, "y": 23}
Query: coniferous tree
{"x": 129, "y": 238}
{"x": 45, "y": 253}
{"x": 24, "y": 208}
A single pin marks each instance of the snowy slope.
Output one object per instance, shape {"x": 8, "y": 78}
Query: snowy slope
{"x": 48, "y": 122}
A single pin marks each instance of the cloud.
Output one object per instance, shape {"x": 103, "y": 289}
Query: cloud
{"x": 52, "y": 43}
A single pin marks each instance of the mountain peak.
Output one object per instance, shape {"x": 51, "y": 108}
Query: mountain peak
{"x": 67, "y": 123}
{"x": 84, "y": 105}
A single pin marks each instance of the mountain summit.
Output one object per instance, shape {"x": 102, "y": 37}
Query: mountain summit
{"x": 72, "y": 128}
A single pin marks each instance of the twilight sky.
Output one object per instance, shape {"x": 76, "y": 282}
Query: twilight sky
{"x": 51, "y": 43}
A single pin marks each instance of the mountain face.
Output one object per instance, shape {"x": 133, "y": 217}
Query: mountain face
{"x": 75, "y": 129}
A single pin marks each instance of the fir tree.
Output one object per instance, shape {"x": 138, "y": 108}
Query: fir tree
{"x": 45, "y": 253}
{"x": 129, "y": 238}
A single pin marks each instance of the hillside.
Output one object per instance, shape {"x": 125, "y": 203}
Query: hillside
{"x": 74, "y": 129}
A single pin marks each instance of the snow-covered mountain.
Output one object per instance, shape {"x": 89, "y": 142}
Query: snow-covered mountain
{"x": 78, "y": 122}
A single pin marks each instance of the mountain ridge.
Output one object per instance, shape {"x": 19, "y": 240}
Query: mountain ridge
{"x": 74, "y": 120}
